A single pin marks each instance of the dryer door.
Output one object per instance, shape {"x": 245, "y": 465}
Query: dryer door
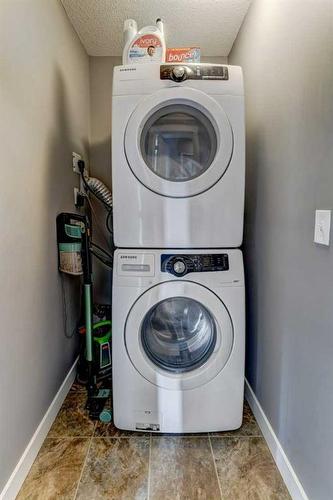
{"x": 178, "y": 142}
{"x": 179, "y": 335}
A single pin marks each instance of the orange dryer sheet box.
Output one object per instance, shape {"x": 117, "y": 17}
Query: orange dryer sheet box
{"x": 182, "y": 55}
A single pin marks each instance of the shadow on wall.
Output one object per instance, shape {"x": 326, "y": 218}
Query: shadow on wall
{"x": 60, "y": 195}
{"x": 255, "y": 264}
{"x": 59, "y": 183}
{"x": 100, "y": 154}
{"x": 100, "y": 158}
{"x": 251, "y": 198}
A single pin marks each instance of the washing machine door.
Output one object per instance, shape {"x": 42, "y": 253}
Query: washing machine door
{"x": 179, "y": 335}
{"x": 178, "y": 142}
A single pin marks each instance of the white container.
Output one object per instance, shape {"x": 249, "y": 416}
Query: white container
{"x": 146, "y": 45}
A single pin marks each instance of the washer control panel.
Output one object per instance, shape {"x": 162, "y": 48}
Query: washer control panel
{"x": 181, "y": 264}
{"x": 181, "y": 72}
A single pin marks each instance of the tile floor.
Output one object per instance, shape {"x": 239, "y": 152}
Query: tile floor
{"x": 84, "y": 460}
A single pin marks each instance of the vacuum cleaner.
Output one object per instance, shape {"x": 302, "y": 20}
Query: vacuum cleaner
{"x": 75, "y": 250}
{"x": 74, "y": 258}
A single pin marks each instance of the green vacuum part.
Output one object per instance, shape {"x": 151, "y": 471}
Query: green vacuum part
{"x": 105, "y": 337}
{"x": 102, "y": 344}
{"x": 105, "y": 416}
{"x": 73, "y": 231}
{"x": 101, "y": 351}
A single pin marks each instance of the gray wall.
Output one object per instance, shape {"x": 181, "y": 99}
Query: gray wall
{"x": 101, "y": 72}
{"x": 286, "y": 50}
{"x": 44, "y": 110}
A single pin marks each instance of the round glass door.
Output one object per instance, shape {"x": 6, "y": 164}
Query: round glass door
{"x": 178, "y": 334}
{"x": 178, "y": 143}
{"x": 175, "y": 327}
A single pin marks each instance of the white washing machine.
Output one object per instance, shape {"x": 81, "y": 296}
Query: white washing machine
{"x": 178, "y": 156}
{"x": 178, "y": 340}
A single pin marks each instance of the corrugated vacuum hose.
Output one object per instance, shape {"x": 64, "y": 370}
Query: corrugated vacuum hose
{"x": 99, "y": 189}
{"x": 102, "y": 193}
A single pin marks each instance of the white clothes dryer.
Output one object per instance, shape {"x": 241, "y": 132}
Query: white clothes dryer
{"x": 178, "y": 340}
{"x": 178, "y": 156}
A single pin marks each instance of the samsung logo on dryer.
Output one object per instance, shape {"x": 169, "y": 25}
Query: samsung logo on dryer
{"x": 128, "y": 257}
{"x": 127, "y": 69}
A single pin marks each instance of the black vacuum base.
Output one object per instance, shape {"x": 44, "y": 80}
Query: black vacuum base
{"x": 96, "y": 403}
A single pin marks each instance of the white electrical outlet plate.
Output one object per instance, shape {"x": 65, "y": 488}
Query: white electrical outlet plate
{"x": 76, "y": 192}
{"x": 76, "y": 158}
{"x": 322, "y": 227}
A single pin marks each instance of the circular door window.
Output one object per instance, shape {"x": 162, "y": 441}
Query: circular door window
{"x": 178, "y": 143}
{"x": 178, "y": 334}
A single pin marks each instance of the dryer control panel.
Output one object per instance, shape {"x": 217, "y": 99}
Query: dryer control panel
{"x": 181, "y": 264}
{"x": 181, "y": 72}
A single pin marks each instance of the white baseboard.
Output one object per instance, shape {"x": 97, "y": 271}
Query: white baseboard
{"x": 23, "y": 466}
{"x": 287, "y": 472}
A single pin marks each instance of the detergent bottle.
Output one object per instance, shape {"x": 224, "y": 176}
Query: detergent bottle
{"x": 144, "y": 46}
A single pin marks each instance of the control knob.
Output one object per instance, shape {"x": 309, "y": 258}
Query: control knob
{"x": 179, "y": 267}
{"x": 178, "y": 73}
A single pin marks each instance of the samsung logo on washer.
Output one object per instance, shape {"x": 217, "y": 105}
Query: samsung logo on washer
{"x": 127, "y": 69}
{"x": 136, "y": 265}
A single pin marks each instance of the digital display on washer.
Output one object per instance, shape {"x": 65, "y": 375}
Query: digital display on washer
{"x": 181, "y": 72}
{"x": 181, "y": 264}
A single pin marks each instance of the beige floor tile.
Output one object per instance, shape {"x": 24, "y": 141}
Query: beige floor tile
{"x": 246, "y": 469}
{"x": 72, "y": 420}
{"x": 116, "y": 469}
{"x": 76, "y": 387}
{"x": 182, "y": 468}
{"x": 56, "y": 470}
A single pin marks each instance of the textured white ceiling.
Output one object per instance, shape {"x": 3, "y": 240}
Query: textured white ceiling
{"x": 210, "y": 24}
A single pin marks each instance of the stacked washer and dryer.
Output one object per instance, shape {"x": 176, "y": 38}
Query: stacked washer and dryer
{"x": 178, "y": 173}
